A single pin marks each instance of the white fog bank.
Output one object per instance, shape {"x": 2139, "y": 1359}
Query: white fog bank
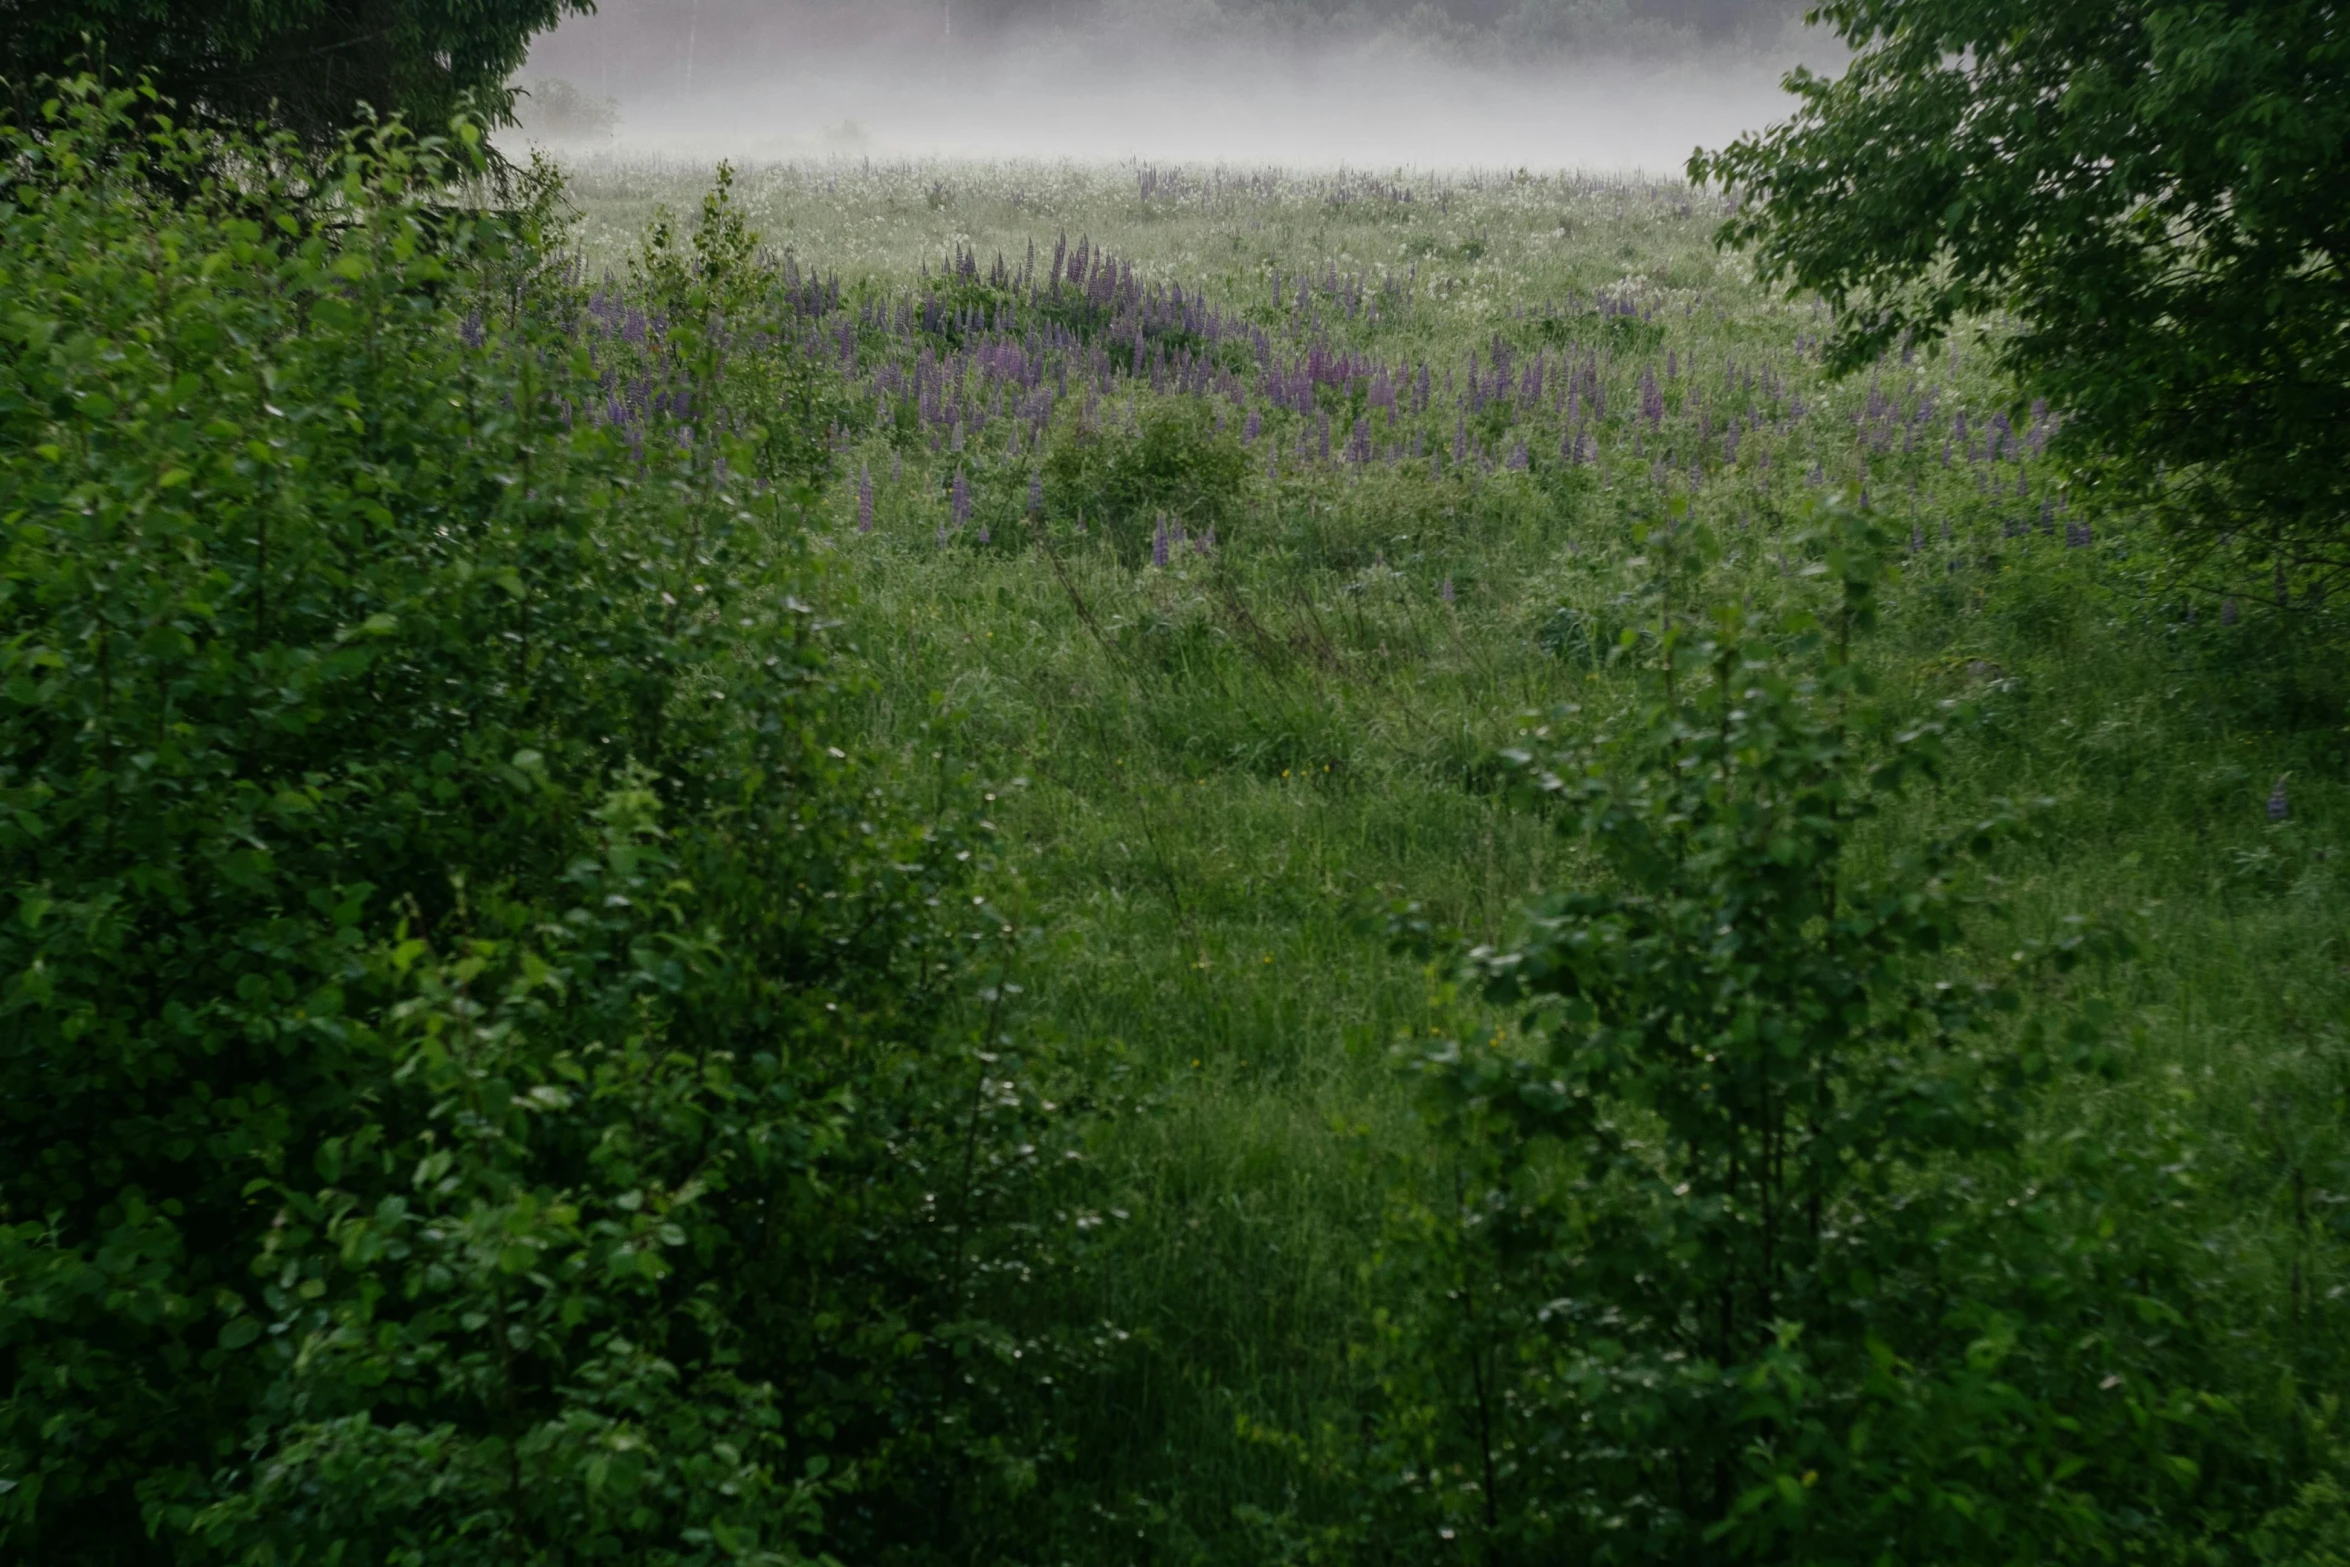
{"x": 686, "y": 84}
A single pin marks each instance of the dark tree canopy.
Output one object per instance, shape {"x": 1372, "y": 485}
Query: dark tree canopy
{"x": 306, "y": 64}
{"x": 2158, "y": 190}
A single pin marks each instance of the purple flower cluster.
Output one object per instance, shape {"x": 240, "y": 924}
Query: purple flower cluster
{"x": 980, "y": 361}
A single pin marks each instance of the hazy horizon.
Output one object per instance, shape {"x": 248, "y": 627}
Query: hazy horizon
{"x": 1159, "y": 82}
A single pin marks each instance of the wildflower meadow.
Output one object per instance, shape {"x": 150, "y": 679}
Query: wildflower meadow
{"x": 919, "y": 862}
{"x": 1242, "y": 524}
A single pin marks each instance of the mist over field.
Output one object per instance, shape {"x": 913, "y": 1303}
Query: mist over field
{"x": 1177, "y": 781}
{"x": 1543, "y": 83}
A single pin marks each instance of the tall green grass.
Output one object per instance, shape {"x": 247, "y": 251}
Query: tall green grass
{"x": 1216, "y": 777}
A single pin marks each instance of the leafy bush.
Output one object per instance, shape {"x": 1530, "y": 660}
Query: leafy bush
{"x": 1170, "y": 463}
{"x": 1730, "y": 1260}
{"x": 487, "y": 1072}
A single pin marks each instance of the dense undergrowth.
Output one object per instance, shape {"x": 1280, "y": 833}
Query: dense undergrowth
{"x": 527, "y": 1037}
{"x": 496, "y": 1068}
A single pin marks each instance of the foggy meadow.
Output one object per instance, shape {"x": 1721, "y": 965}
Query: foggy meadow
{"x": 1030, "y": 781}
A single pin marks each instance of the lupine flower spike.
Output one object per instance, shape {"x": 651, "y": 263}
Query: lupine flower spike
{"x": 2278, "y": 806}
{"x": 864, "y": 499}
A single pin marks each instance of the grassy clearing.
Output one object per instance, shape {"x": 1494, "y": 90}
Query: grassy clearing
{"x": 1218, "y": 773}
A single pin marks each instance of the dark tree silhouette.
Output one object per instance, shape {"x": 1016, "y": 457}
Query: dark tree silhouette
{"x": 305, "y": 64}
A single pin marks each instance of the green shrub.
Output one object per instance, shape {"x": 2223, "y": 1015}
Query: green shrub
{"x": 1737, "y": 1254}
{"x": 488, "y": 1068}
{"x": 1171, "y": 463}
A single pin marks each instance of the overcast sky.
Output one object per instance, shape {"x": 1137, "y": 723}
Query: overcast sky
{"x": 1558, "y": 83}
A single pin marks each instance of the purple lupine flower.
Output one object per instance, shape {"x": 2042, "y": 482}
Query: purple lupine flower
{"x": 1517, "y": 458}
{"x": 1159, "y": 544}
{"x": 1445, "y": 591}
{"x": 959, "y": 499}
{"x": 2278, "y": 806}
{"x": 1207, "y": 542}
{"x": 2077, "y": 536}
{"x": 864, "y": 499}
{"x": 1251, "y": 427}
{"x": 1035, "y": 493}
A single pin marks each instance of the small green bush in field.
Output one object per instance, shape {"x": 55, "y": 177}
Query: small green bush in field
{"x": 1738, "y": 1258}
{"x": 476, "y": 1074}
{"x": 1171, "y": 464}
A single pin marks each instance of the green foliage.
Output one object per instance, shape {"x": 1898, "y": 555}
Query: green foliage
{"x": 2157, "y": 189}
{"x": 1324, "y": 1302}
{"x": 1234, "y": 759}
{"x": 489, "y": 1073}
{"x": 2313, "y": 1529}
{"x": 1170, "y": 461}
{"x": 302, "y": 64}
{"x": 717, "y": 315}
{"x": 1709, "y": 1278}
